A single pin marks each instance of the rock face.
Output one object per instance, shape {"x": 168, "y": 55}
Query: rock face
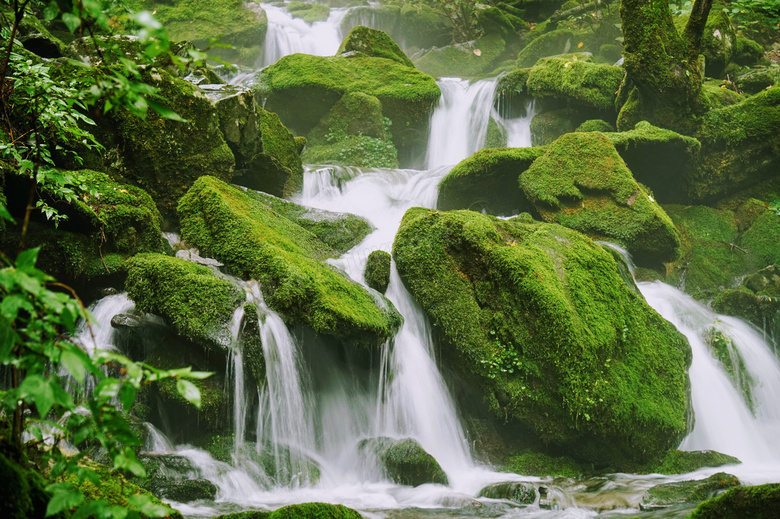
{"x": 758, "y": 501}
{"x": 404, "y": 461}
{"x": 669, "y": 494}
{"x": 538, "y": 318}
{"x": 378, "y": 270}
{"x": 463, "y": 59}
{"x": 519, "y": 492}
{"x": 681, "y": 462}
{"x": 582, "y": 183}
{"x": 251, "y": 239}
{"x": 373, "y": 43}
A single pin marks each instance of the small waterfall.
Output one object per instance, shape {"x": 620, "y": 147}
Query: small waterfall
{"x": 99, "y": 335}
{"x": 518, "y": 129}
{"x": 459, "y": 124}
{"x": 289, "y": 35}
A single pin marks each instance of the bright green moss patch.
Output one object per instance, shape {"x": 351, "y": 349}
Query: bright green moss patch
{"x": 404, "y": 461}
{"x": 540, "y": 464}
{"x": 463, "y": 59}
{"x": 255, "y": 242}
{"x": 575, "y": 78}
{"x": 595, "y": 125}
{"x": 538, "y": 315}
{"x": 280, "y": 145}
{"x": 668, "y": 494}
{"x": 377, "y": 272}
{"x": 681, "y": 462}
{"x": 488, "y": 181}
{"x": 315, "y": 511}
{"x": 548, "y": 126}
{"x": 198, "y": 304}
{"x": 374, "y": 43}
{"x": 582, "y": 183}
{"x": 308, "y": 12}
{"x": 759, "y": 502}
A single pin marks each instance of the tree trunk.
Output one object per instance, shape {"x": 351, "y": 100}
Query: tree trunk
{"x": 663, "y": 75}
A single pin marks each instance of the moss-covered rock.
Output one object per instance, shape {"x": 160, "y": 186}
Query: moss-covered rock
{"x": 517, "y": 491}
{"x": 377, "y": 272}
{"x": 722, "y": 348}
{"x": 242, "y": 25}
{"x": 682, "y": 462}
{"x": 718, "y": 43}
{"x": 577, "y": 80}
{"x": 760, "y": 502}
{"x": 404, "y": 461}
{"x": 669, "y": 494}
{"x": 748, "y": 52}
{"x": 169, "y": 476}
{"x": 552, "y": 43}
{"x": 755, "y": 81}
{"x": 308, "y": 12}
{"x": 412, "y": 25}
{"x": 660, "y": 159}
{"x": 538, "y": 318}
{"x": 581, "y": 182}
{"x": 315, "y": 511}
{"x": 540, "y": 464}
{"x": 596, "y": 125}
{"x": 251, "y": 239}
{"x": 487, "y": 181}
{"x": 303, "y": 88}
{"x": 240, "y": 124}
{"x": 339, "y": 231}
{"x": 463, "y": 59}
{"x": 512, "y": 93}
{"x": 546, "y": 127}
{"x": 373, "y": 43}
{"x": 757, "y": 300}
{"x": 196, "y": 302}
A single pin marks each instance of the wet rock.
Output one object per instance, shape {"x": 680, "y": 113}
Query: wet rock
{"x": 377, "y": 272}
{"x": 758, "y": 501}
{"x": 404, "y": 461}
{"x": 517, "y": 491}
{"x": 174, "y": 477}
{"x": 682, "y": 462}
{"x": 546, "y": 127}
{"x": 463, "y": 59}
{"x": 669, "y": 494}
{"x": 373, "y": 43}
{"x": 312, "y": 510}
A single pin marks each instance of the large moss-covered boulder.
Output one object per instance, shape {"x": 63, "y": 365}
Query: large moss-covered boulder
{"x": 756, "y": 300}
{"x": 315, "y": 511}
{"x": 681, "y": 462}
{"x": 552, "y": 43}
{"x": 412, "y": 25}
{"x": 463, "y": 59}
{"x": 241, "y": 25}
{"x": 740, "y": 146}
{"x": 303, "y": 88}
{"x": 377, "y": 273}
{"x": 197, "y": 303}
{"x": 670, "y": 494}
{"x": 760, "y": 502}
{"x": 404, "y": 461}
{"x": 487, "y": 181}
{"x": 581, "y": 182}
{"x": 718, "y": 43}
{"x": 252, "y": 240}
{"x": 174, "y": 477}
{"x": 373, "y": 43}
{"x": 518, "y": 491}
{"x": 660, "y": 159}
{"x": 546, "y": 127}
{"x": 353, "y": 133}
{"x": 537, "y": 317}
{"x": 577, "y": 80}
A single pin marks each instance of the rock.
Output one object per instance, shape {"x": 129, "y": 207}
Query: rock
{"x": 494, "y": 20}
{"x": 540, "y": 464}
{"x": 375, "y": 44}
{"x": 173, "y": 477}
{"x": 412, "y": 25}
{"x": 582, "y": 183}
{"x": 577, "y": 80}
{"x": 286, "y": 259}
{"x": 512, "y": 94}
{"x": 282, "y": 466}
{"x": 315, "y": 511}
{"x": 404, "y": 461}
{"x": 302, "y": 89}
{"x": 755, "y": 81}
{"x": 757, "y": 300}
{"x": 595, "y": 125}
{"x": 682, "y": 462}
{"x": 553, "y": 43}
{"x": 198, "y": 304}
{"x": 517, "y": 491}
{"x": 546, "y": 127}
{"x": 377, "y": 272}
{"x": 669, "y": 494}
{"x": 537, "y": 316}
{"x": 659, "y": 159}
{"x": 748, "y": 52}
{"x": 240, "y": 124}
{"x": 758, "y": 501}
{"x": 308, "y": 12}
{"x": 463, "y": 59}
{"x": 718, "y": 44}
{"x": 488, "y": 181}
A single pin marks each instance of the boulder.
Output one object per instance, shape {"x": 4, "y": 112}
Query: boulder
{"x": 377, "y": 272}
{"x": 596, "y": 125}
{"x": 541, "y": 464}
{"x": 677, "y": 493}
{"x": 758, "y": 501}
{"x": 682, "y": 462}
{"x": 582, "y": 183}
{"x": 517, "y": 491}
{"x": 748, "y": 52}
{"x": 308, "y": 12}
{"x": 253, "y": 240}
{"x": 411, "y": 25}
{"x": 547, "y": 126}
{"x": 173, "y": 477}
{"x": 553, "y": 43}
{"x": 757, "y": 80}
{"x": 373, "y": 43}
{"x": 718, "y": 44}
{"x": 315, "y": 511}
{"x": 756, "y": 300}
{"x": 488, "y": 181}
{"x": 537, "y": 317}
{"x": 463, "y": 59}
{"x": 404, "y": 461}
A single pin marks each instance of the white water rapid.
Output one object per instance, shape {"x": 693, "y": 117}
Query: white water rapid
{"x": 288, "y": 35}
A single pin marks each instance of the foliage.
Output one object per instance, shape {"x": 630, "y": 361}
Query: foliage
{"x": 751, "y": 13}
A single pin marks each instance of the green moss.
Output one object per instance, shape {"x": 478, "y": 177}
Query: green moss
{"x": 762, "y": 241}
{"x": 682, "y": 462}
{"x": 551, "y": 43}
{"x": 404, "y": 461}
{"x": 195, "y": 301}
{"x": 303, "y": 88}
{"x": 759, "y": 502}
{"x": 595, "y": 125}
{"x": 373, "y": 43}
{"x": 755, "y": 81}
{"x": 307, "y": 12}
{"x": 718, "y": 43}
{"x": 748, "y": 52}
{"x": 540, "y": 464}
{"x": 280, "y": 144}
{"x": 463, "y": 59}
{"x": 582, "y": 183}
{"x": 517, "y": 491}
{"x": 315, "y": 511}
{"x": 721, "y": 94}
{"x": 539, "y": 318}
{"x": 377, "y": 272}
{"x": 576, "y": 79}
{"x": 722, "y": 348}
{"x": 253, "y": 240}
{"x": 548, "y": 126}
{"x": 496, "y": 135}
{"x": 668, "y": 494}
{"x": 488, "y": 181}
{"x": 340, "y": 231}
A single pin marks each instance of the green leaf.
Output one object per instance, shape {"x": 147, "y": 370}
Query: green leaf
{"x": 108, "y": 388}
{"x": 4, "y": 214}
{"x": 11, "y": 305}
{"x": 36, "y": 389}
{"x": 189, "y": 391}
{"x": 126, "y": 460}
{"x": 146, "y": 505}
{"x": 74, "y": 364}
{"x": 164, "y": 111}
{"x": 64, "y": 497}
{"x": 127, "y": 396}
{"x": 51, "y": 11}
{"x": 71, "y": 21}
{"x": 7, "y": 339}
{"x": 26, "y": 259}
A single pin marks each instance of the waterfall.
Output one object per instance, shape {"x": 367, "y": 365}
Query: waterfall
{"x": 99, "y": 335}
{"x": 518, "y": 129}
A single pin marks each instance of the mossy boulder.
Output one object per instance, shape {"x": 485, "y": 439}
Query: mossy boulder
{"x": 463, "y": 59}
{"x": 302, "y": 89}
{"x": 339, "y": 231}
{"x": 541, "y": 464}
{"x": 537, "y": 317}
{"x": 596, "y": 125}
{"x": 377, "y": 272}
{"x": 412, "y": 25}
{"x": 315, "y": 511}
{"x": 254, "y": 241}
{"x": 240, "y": 124}
{"x": 517, "y": 491}
{"x": 196, "y": 302}
{"x": 487, "y": 181}
{"x": 748, "y": 52}
{"x": 169, "y": 476}
{"x": 308, "y": 12}
{"x": 682, "y": 462}
{"x": 404, "y": 461}
{"x": 669, "y": 494}
{"x": 582, "y": 183}
{"x": 546, "y": 127}
{"x": 759, "y": 502}
{"x": 239, "y": 24}
{"x": 577, "y": 80}
{"x": 718, "y": 44}
{"x": 553, "y": 43}
{"x": 373, "y": 43}
{"x": 755, "y": 81}
{"x": 658, "y": 158}
{"x": 756, "y": 301}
